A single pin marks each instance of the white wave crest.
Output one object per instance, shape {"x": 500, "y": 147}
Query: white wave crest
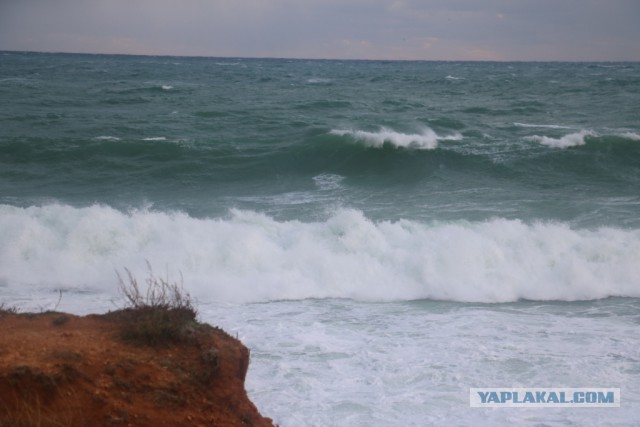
{"x": 155, "y": 138}
{"x": 107, "y": 138}
{"x": 631, "y": 135}
{"x": 426, "y": 140}
{"x": 252, "y": 257}
{"x": 570, "y": 140}
{"x": 167, "y": 87}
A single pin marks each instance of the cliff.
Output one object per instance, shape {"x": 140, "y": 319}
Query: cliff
{"x": 58, "y": 369}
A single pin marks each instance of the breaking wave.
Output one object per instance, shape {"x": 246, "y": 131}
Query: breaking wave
{"x": 426, "y": 140}
{"x": 251, "y": 257}
{"x": 570, "y": 140}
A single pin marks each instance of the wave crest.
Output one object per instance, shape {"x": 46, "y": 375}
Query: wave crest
{"x": 426, "y": 140}
{"x": 631, "y": 135}
{"x": 570, "y": 140}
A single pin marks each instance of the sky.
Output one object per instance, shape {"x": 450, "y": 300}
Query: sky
{"x": 502, "y": 30}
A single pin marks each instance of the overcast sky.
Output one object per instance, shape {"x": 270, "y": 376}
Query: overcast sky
{"x": 566, "y": 30}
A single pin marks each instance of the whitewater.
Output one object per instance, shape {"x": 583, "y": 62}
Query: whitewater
{"x": 249, "y": 257}
{"x": 383, "y": 236}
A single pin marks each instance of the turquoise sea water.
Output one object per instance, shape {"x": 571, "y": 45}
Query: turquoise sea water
{"x": 383, "y": 235}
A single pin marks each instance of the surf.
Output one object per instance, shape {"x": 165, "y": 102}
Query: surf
{"x": 251, "y": 257}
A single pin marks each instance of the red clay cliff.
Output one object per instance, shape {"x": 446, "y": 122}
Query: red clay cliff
{"x": 58, "y": 369}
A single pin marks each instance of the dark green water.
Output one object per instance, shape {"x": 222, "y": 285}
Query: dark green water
{"x": 292, "y": 138}
{"x": 451, "y": 180}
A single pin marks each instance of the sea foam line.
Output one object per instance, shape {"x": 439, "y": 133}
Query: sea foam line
{"x": 250, "y": 257}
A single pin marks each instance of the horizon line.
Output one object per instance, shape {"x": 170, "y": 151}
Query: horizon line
{"x": 322, "y": 59}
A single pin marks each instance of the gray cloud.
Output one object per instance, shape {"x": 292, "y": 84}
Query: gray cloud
{"x": 376, "y": 29}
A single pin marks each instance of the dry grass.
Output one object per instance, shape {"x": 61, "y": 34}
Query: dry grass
{"x": 31, "y": 395}
{"x": 161, "y": 313}
{"x": 31, "y": 411}
{"x": 5, "y": 309}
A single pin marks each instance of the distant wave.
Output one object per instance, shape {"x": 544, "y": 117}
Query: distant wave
{"x": 570, "y": 140}
{"x": 528, "y": 125}
{"x": 426, "y": 140}
{"x": 319, "y": 80}
{"x": 106, "y": 138}
{"x": 250, "y": 257}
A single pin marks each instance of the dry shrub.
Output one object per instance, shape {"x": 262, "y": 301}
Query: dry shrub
{"x": 160, "y": 314}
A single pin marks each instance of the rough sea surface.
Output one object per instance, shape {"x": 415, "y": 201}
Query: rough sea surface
{"x": 382, "y": 235}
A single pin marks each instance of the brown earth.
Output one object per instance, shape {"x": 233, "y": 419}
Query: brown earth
{"x": 58, "y": 370}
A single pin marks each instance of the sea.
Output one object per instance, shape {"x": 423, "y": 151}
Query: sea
{"x": 382, "y": 235}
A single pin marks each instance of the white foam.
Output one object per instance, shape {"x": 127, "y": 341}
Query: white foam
{"x": 107, "y": 138}
{"x": 631, "y": 135}
{"x": 570, "y": 140}
{"x": 328, "y": 181}
{"x": 426, "y": 140}
{"x": 252, "y": 257}
{"x": 155, "y": 138}
{"x": 167, "y": 87}
{"x": 411, "y": 364}
{"x": 454, "y": 78}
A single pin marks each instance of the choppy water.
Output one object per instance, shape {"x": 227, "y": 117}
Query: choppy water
{"x": 383, "y": 235}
